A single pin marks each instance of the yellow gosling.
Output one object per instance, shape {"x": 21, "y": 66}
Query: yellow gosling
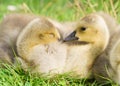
{"x": 39, "y": 45}
{"x": 88, "y": 41}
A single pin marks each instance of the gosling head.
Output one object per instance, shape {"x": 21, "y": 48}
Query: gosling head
{"x": 91, "y": 29}
{"x": 37, "y": 32}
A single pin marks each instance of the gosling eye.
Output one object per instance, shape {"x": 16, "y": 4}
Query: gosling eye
{"x": 51, "y": 35}
{"x": 83, "y": 28}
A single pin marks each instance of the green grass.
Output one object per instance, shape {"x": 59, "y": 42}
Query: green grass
{"x": 16, "y": 76}
{"x": 61, "y": 10}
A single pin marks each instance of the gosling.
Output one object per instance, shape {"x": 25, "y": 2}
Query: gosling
{"x": 40, "y": 47}
{"x": 88, "y": 41}
{"x": 102, "y": 64}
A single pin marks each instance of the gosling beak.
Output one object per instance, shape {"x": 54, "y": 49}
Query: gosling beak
{"x": 71, "y": 37}
{"x": 60, "y": 39}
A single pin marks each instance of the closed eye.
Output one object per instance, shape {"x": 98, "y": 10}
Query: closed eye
{"x": 51, "y": 35}
{"x": 41, "y": 36}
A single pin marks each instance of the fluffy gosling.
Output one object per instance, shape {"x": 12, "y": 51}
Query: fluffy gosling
{"x": 102, "y": 64}
{"x": 87, "y": 42}
{"x": 40, "y": 47}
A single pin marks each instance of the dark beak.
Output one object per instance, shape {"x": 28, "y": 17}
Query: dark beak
{"x": 71, "y": 37}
